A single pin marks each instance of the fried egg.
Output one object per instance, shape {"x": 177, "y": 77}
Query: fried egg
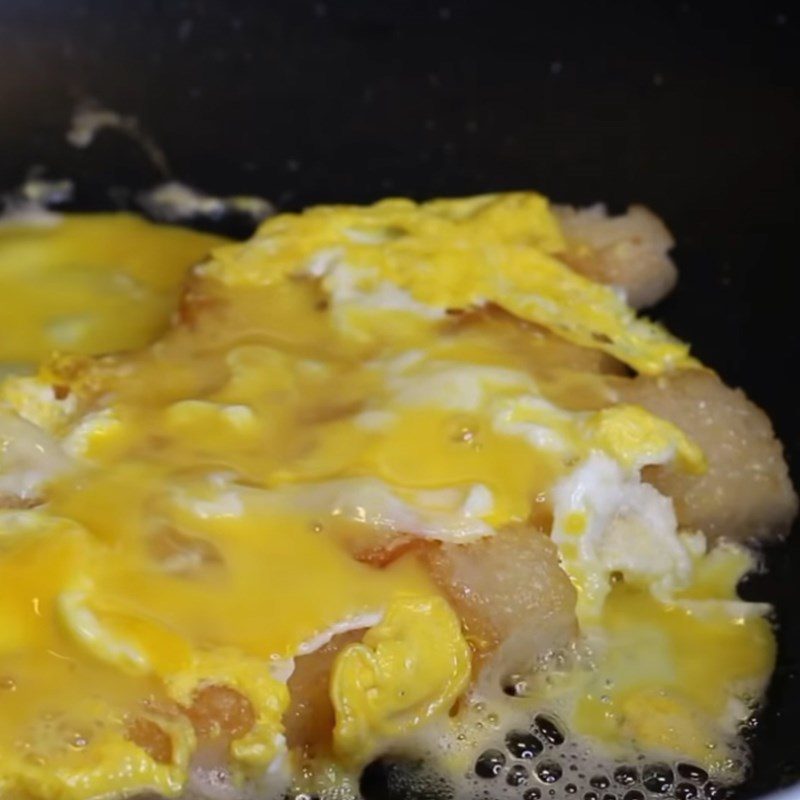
{"x": 328, "y": 493}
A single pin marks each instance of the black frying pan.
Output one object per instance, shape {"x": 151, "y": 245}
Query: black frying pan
{"x": 689, "y": 107}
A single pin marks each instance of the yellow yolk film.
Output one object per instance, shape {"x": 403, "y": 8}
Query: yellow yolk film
{"x": 669, "y": 674}
{"x": 237, "y": 494}
{"x": 91, "y": 283}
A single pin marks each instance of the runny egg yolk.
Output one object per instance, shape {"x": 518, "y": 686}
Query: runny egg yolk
{"x": 674, "y": 677}
{"x": 91, "y": 283}
{"x": 656, "y": 685}
{"x": 347, "y": 378}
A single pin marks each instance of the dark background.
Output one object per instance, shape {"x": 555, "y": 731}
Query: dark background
{"x": 689, "y": 107}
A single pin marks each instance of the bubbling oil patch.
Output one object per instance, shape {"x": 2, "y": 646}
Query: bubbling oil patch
{"x": 507, "y": 743}
{"x": 513, "y": 756}
{"x": 504, "y": 743}
{"x": 544, "y": 759}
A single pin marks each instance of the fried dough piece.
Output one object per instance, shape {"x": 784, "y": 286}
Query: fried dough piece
{"x": 746, "y": 494}
{"x": 504, "y": 583}
{"x": 629, "y": 251}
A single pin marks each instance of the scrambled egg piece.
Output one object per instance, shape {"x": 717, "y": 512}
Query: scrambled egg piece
{"x": 452, "y": 254}
{"x": 112, "y": 764}
{"x": 222, "y": 502}
{"x": 410, "y": 667}
{"x": 635, "y": 438}
{"x": 607, "y": 522}
{"x": 252, "y": 679}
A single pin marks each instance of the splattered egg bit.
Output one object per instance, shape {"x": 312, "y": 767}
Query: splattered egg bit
{"x": 382, "y": 460}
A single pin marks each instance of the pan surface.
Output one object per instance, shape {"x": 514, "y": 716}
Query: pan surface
{"x": 689, "y": 107}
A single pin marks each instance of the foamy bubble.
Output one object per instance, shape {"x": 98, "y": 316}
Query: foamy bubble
{"x": 498, "y": 752}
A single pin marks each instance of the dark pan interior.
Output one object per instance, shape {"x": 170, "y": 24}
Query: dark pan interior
{"x": 690, "y": 107}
